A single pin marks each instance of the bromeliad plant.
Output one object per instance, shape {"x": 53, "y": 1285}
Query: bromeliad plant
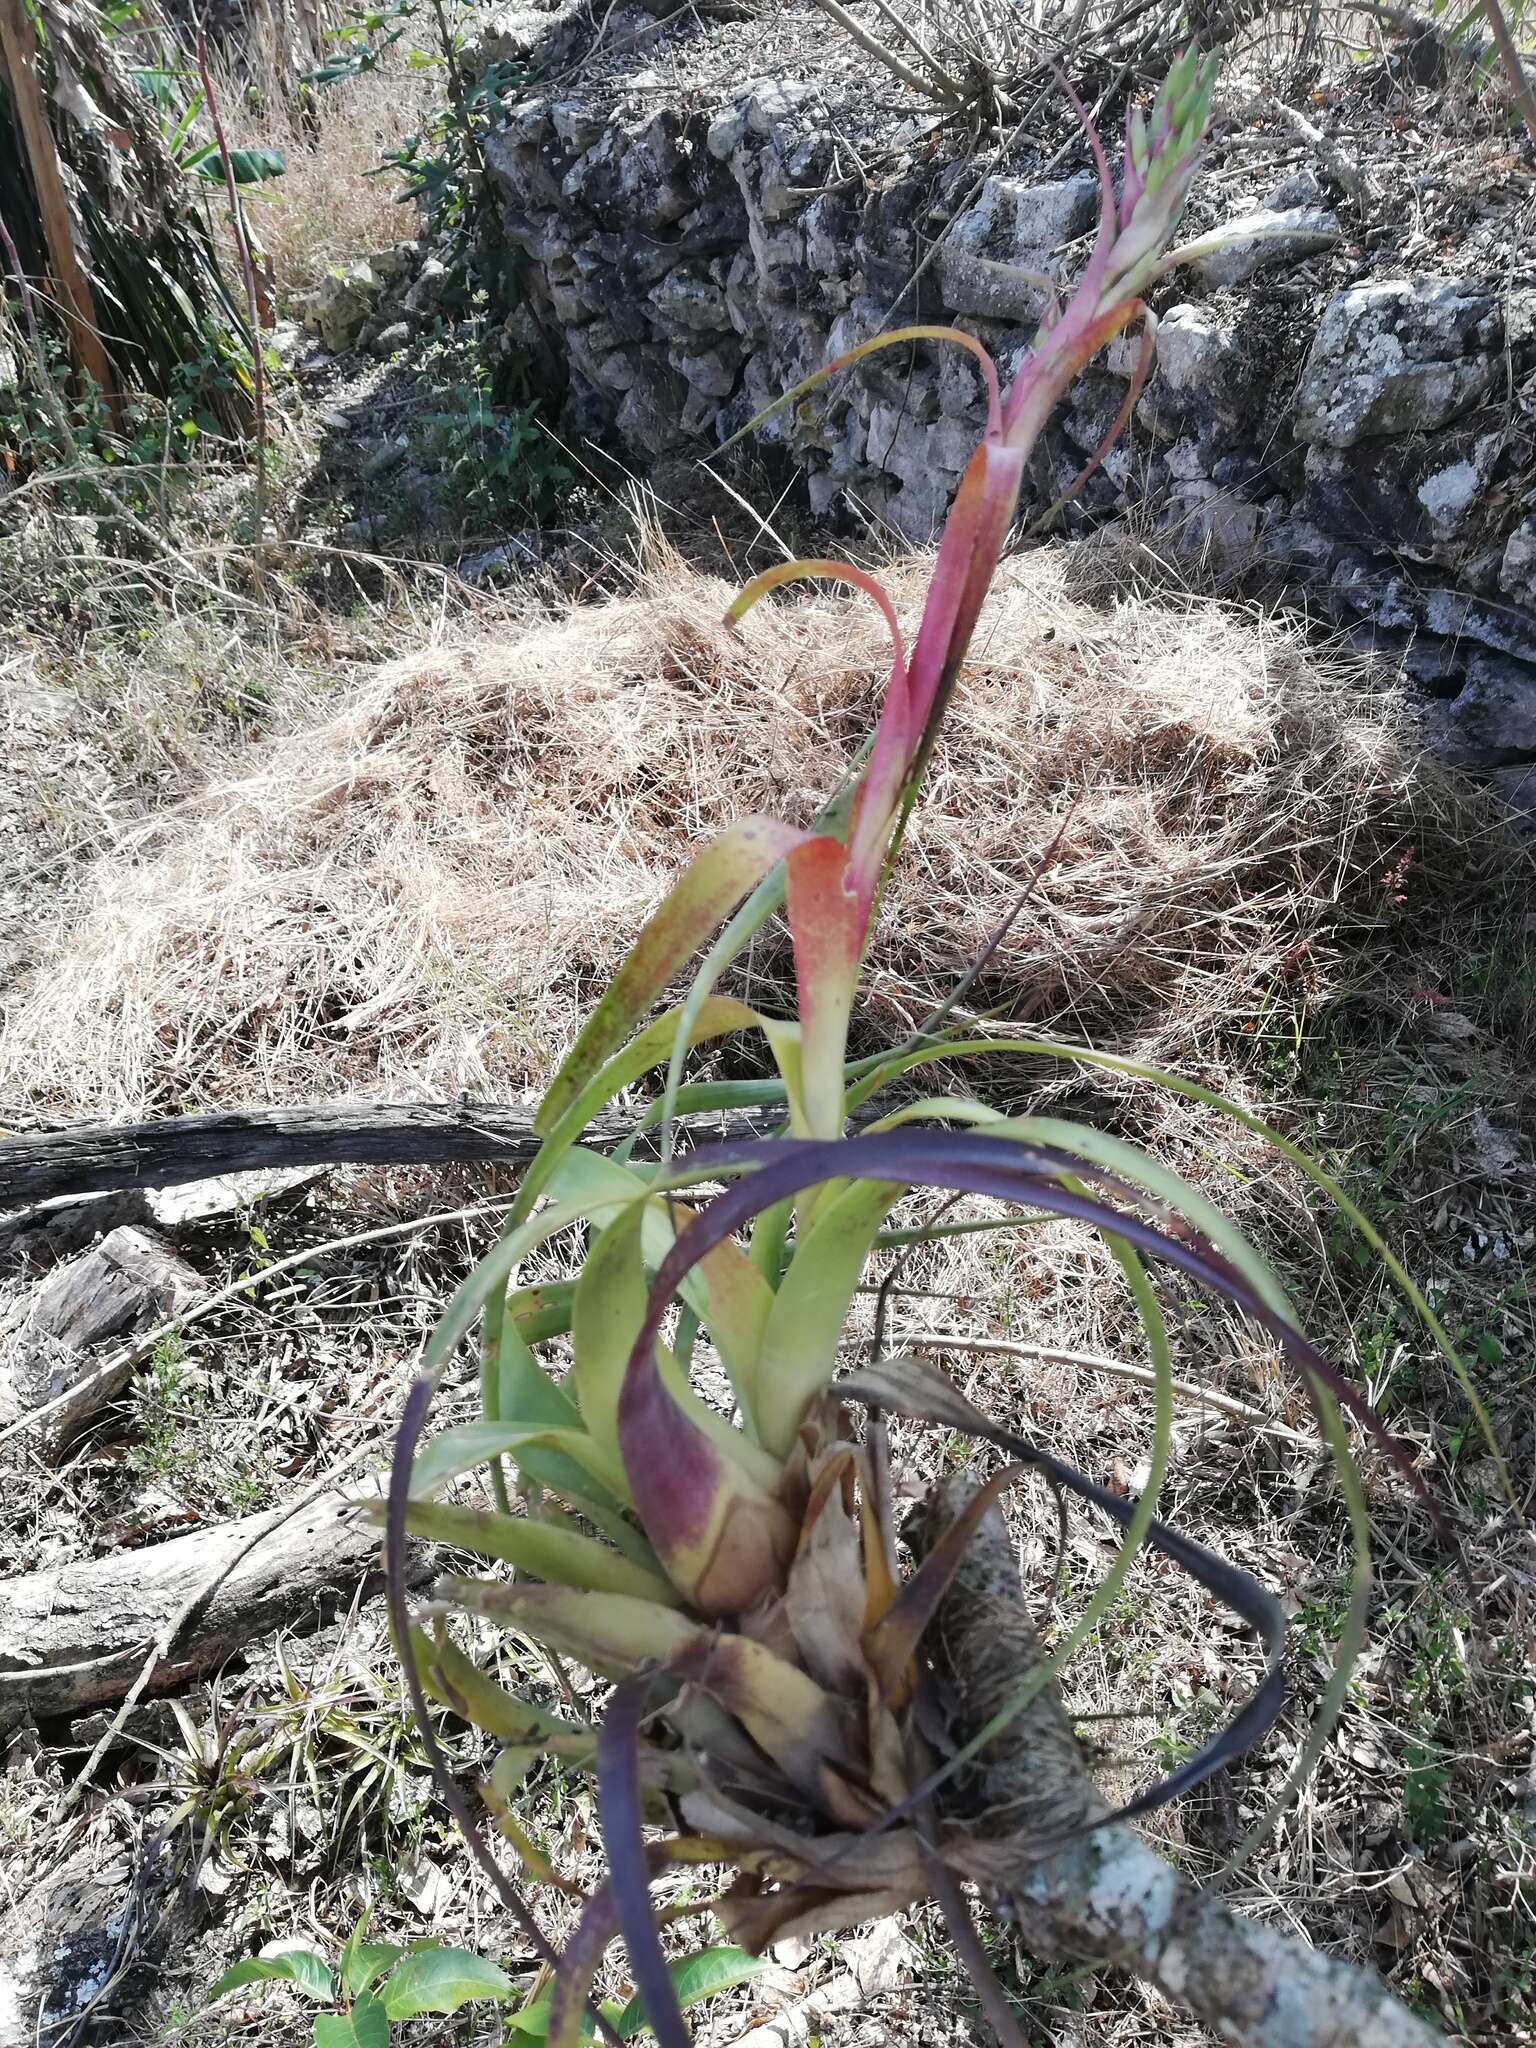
{"x": 736, "y": 1575}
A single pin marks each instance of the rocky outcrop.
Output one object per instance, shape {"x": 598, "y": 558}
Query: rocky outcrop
{"x": 690, "y": 262}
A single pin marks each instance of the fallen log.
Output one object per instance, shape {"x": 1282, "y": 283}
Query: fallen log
{"x": 92, "y": 1159}
{"x": 79, "y": 1635}
{"x": 131, "y": 1279}
{"x": 42, "y": 1166}
{"x": 1105, "y": 1895}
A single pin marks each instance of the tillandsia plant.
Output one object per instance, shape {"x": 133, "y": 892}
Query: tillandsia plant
{"x": 736, "y": 1575}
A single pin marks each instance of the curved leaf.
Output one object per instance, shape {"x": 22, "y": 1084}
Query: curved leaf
{"x": 629, "y": 1876}
{"x": 828, "y": 917}
{"x": 708, "y": 890}
{"x": 880, "y": 1071}
{"x": 441, "y": 1980}
{"x": 300, "y": 1966}
{"x": 474, "y": 1443}
{"x": 609, "y": 1310}
{"x": 549, "y": 1550}
{"x": 980, "y": 1163}
{"x": 716, "y": 1017}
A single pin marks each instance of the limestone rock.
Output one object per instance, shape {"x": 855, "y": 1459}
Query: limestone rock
{"x": 1405, "y": 356}
{"x": 688, "y": 260}
{"x": 1492, "y": 722}
{"x": 426, "y": 295}
{"x": 341, "y": 305}
{"x": 1014, "y": 228}
{"x": 1268, "y": 240}
{"x": 1194, "y": 351}
{"x": 391, "y": 264}
{"x": 1517, "y": 572}
{"x": 1425, "y": 495}
{"x": 390, "y": 339}
{"x": 689, "y": 301}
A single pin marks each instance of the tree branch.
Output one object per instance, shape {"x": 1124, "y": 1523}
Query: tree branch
{"x": 91, "y": 1159}
{"x": 1107, "y": 1896}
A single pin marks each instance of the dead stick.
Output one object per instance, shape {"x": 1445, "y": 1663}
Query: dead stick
{"x": 1107, "y": 1896}
{"x": 197, "y": 1599}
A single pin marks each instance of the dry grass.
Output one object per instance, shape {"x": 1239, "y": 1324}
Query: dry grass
{"x": 327, "y": 209}
{"x": 418, "y": 889}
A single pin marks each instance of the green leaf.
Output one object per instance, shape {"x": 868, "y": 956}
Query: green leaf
{"x": 707, "y": 891}
{"x": 299, "y": 1966}
{"x": 517, "y": 1391}
{"x": 363, "y": 1961}
{"x": 881, "y": 1072}
{"x": 254, "y": 166}
{"x": 247, "y": 166}
{"x": 532, "y": 2023}
{"x": 810, "y": 1310}
{"x": 472, "y": 1443}
{"x": 550, "y": 1550}
{"x": 441, "y": 1980}
{"x": 705, "y": 1975}
{"x": 648, "y": 1049}
{"x": 365, "y": 2026}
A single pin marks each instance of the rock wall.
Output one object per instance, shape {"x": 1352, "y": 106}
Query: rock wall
{"x": 690, "y": 261}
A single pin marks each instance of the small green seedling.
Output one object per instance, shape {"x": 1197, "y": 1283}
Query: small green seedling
{"x": 694, "y": 1978}
{"x": 377, "y": 1982}
{"x": 374, "y": 1984}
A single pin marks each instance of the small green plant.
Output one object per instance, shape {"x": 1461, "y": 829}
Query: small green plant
{"x": 375, "y": 1983}
{"x": 693, "y": 1979}
{"x": 494, "y": 465}
{"x": 1424, "y": 1793}
{"x": 180, "y": 1441}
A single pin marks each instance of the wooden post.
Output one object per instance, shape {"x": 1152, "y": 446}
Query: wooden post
{"x": 18, "y": 44}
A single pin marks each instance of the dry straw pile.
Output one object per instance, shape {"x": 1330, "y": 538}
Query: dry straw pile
{"x": 418, "y": 889}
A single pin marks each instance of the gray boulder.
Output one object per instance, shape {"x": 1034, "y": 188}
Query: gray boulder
{"x": 1517, "y": 573}
{"x": 1406, "y": 356}
{"x": 1012, "y": 229}
{"x": 1492, "y": 721}
{"x": 425, "y": 296}
{"x": 341, "y": 305}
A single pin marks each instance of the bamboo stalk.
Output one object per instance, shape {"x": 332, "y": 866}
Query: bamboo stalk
{"x": 18, "y": 45}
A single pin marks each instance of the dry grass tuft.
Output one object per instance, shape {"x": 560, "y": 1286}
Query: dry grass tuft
{"x": 420, "y": 889}
{"x": 328, "y": 207}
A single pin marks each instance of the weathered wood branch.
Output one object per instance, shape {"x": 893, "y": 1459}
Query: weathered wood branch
{"x": 78, "y": 1636}
{"x": 1107, "y": 1896}
{"x": 42, "y": 1166}
{"x": 88, "y": 1159}
{"x": 130, "y": 1279}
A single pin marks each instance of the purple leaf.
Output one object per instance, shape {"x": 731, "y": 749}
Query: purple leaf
{"x": 629, "y": 1877}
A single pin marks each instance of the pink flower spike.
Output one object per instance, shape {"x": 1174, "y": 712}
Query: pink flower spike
{"x": 1133, "y": 180}
{"x": 1063, "y": 363}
